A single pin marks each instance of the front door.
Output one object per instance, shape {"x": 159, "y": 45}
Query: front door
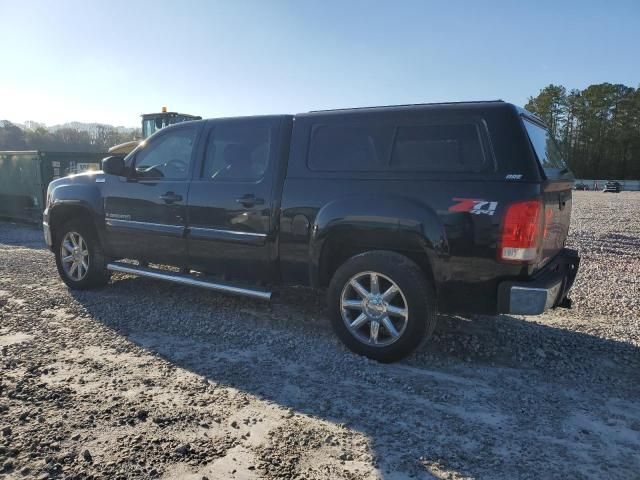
{"x": 145, "y": 213}
{"x": 230, "y": 209}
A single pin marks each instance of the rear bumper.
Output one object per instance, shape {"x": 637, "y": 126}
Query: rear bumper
{"x": 548, "y": 289}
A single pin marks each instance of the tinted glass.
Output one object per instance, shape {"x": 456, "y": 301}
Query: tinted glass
{"x": 238, "y": 150}
{"x": 438, "y": 148}
{"x": 545, "y": 147}
{"x": 349, "y": 148}
{"x": 167, "y": 156}
{"x": 427, "y": 148}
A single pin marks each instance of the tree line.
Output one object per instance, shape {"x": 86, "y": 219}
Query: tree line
{"x": 597, "y": 129}
{"x": 99, "y": 139}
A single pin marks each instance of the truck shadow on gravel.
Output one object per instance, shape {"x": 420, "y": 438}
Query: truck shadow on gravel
{"x": 487, "y": 397}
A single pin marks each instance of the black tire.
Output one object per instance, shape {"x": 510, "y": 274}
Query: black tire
{"x": 417, "y": 292}
{"x": 97, "y": 274}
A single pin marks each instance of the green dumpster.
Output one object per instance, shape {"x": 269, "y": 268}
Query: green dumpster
{"x": 25, "y": 175}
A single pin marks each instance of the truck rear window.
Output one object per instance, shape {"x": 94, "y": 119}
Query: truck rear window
{"x": 545, "y": 146}
{"x": 421, "y": 148}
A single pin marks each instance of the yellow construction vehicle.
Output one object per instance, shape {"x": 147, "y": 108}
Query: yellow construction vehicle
{"x": 151, "y": 122}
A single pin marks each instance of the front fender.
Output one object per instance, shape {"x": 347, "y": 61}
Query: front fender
{"x": 386, "y": 222}
{"x": 87, "y": 196}
{"x": 74, "y": 194}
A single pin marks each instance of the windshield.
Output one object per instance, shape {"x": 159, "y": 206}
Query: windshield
{"x": 148, "y": 127}
{"x": 546, "y": 148}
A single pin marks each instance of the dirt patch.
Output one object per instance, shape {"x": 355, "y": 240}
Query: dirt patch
{"x": 143, "y": 379}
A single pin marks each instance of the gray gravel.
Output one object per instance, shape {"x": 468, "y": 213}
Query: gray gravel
{"x": 144, "y": 379}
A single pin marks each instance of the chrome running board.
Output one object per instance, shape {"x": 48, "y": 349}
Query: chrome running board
{"x": 185, "y": 279}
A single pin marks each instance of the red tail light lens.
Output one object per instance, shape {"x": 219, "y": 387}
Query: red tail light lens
{"x": 521, "y": 232}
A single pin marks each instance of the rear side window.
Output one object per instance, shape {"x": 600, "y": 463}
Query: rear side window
{"x": 545, "y": 146}
{"x": 238, "y": 150}
{"x": 349, "y": 148}
{"x": 438, "y": 148}
{"x": 422, "y": 148}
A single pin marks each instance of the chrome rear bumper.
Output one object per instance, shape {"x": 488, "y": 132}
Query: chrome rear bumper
{"x": 547, "y": 290}
{"x": 532, "y": 300}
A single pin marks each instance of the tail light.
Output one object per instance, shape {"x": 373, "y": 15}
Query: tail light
{"x": 521, "y": 235}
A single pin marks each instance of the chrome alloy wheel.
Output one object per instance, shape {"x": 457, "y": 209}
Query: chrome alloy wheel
{"x": 74, "y": 255}
{"x": 374, "y": 309}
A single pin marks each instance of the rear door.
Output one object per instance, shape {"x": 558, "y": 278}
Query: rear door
{"x": 556, "y": 188}
{"x": 232, "y": 206}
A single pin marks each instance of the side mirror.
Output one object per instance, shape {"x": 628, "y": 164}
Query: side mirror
{"x": 113, "y": 165}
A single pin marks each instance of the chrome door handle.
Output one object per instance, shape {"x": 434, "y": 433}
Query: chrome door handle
{"x": 249, "y": 201}
{"x": 171, "y": 197}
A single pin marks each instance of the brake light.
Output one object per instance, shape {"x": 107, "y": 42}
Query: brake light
{"x": 521, "y": 234}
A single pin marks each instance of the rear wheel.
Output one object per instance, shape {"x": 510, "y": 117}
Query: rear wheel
{"x": 79, "y": 258}
{"x": 382, "y": 305}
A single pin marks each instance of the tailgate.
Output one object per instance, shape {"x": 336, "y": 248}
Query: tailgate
{"x": 557, "y": 216}
{"x": 556, "y": 189}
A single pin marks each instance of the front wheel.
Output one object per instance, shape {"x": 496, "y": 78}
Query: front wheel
{"x": 382, "y": 305}
{"x": 79, "y": 258}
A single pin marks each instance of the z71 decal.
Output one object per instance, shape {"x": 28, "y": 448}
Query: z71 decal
{"x": 474, "y": 205}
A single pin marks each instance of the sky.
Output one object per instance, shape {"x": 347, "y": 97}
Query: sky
{"x": 109, "y": 61}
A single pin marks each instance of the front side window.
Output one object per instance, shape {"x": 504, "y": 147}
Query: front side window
{"x": 166, "y": 157}
{"x": 238, "y": 150}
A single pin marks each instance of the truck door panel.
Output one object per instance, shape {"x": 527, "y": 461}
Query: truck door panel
{"x": 145, "y": 214}
{"x": 230, "y": 208}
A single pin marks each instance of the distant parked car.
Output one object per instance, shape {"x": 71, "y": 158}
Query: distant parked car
{"x": 580, "y": 186}
{"x": 612, "y": 187}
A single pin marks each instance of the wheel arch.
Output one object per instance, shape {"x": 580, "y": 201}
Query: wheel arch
{"x": 349, "y": 227}
{"x": 61, "y": 212}
{"x": 72, "y": 197}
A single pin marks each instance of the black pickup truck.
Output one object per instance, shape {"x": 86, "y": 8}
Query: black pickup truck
{"x": 398, "y": 212}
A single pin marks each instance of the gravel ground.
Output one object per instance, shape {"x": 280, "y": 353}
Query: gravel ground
{"x": 144, "y": 379}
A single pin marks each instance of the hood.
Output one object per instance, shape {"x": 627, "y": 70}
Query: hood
{"x": 93, "y": 176}
{"x": 124, "y": 148}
